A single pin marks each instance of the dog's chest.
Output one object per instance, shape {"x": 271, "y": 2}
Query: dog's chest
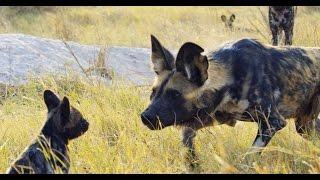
{"x": 230, "y": 110}
{"x": 233, "y": 106}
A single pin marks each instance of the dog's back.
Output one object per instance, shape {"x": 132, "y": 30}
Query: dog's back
{"x": 39, "y": 158}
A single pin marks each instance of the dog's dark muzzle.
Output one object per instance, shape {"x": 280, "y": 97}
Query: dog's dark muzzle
{"x": 151, "y": 121}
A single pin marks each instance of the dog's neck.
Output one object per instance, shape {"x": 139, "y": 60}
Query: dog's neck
{"x": 49, "y": 133}
{"x": 210, "y": 100}
{"x": 58, "y": 145}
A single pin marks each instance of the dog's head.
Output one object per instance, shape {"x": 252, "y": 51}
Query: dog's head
{"x": 228, "y": 21}
{"x": 177, "y": 79}
{"x": 63, "y": 119}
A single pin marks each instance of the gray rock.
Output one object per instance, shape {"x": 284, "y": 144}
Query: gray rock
{"x": 24, "y": 56}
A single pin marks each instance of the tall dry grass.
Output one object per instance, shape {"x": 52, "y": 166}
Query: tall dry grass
{"x": 132, "y": 26}
{"x": 117, "y": 141}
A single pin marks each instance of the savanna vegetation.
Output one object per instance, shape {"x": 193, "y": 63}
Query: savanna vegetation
{"x": 117, "y": 141}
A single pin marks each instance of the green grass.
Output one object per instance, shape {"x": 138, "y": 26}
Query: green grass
{"x": 117, "y": 141}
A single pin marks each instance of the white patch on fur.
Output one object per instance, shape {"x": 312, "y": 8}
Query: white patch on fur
{"x": 187, "y": 68}
{"x": 228, "y": 45}
{"x": 252, "y": 41}
{"x": 257, "y": 146}
{"x": 259, "y": 100}
{"x": 259, "y": 143}
{"x": 276, "y": 94}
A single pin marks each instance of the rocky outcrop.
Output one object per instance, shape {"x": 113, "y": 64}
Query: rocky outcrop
{"x": 24, "y": 56}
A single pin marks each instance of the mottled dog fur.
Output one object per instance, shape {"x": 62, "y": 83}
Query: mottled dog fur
{"x": 49, "y": 152}
{"x": 281, "y": 18}
{"x": 242, "y": 80}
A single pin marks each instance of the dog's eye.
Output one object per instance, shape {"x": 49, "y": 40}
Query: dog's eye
{"x": 174, "y": 93}
{"x": 177, "y": 94}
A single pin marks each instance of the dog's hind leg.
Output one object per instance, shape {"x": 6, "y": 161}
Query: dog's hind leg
{"x": 308, "y": 121}
{"x": 269, "y": 121}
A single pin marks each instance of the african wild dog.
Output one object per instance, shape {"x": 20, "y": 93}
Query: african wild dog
{"x": 49, "y": 152}
{"x": 228, "y": 22}
{"x": 281, "y": 18}
{"x": 243, "y": 80}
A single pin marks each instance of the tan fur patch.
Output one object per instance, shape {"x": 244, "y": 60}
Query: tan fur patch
{"x": 180, "y": 83}
{"x": 201, "y": 63}
{"x": 160, "y": 78}
{"x": 219, "y": 76}
{"x": 157, "y": 64}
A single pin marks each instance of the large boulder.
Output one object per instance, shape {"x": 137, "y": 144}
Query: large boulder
{"x": 24, "y": 56}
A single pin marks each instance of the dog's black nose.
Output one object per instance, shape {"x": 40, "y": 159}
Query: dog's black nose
{"x": 145, "y": 118}
{"x": 85, "y": 125}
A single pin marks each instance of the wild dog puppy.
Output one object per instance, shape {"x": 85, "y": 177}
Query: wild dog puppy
{"x": 49, "y": 152}
{"x": 242, "y": 80}
{"x": 228, "y": 21}
{"x": 281, "y": 18}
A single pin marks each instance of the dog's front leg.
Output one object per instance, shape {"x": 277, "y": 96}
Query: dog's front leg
{"x": 188, "y": 135}
{"x": 269, "y": 124}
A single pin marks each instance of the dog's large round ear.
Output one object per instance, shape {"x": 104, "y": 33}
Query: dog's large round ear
{"x": 232, "y": 17}
{"x": 223, "y": 18}
{"x": 51, "y": 100}
{"x": 65, "y": 110}
{"x": 192, "y": 64}
{"x": 161, "y": 58}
